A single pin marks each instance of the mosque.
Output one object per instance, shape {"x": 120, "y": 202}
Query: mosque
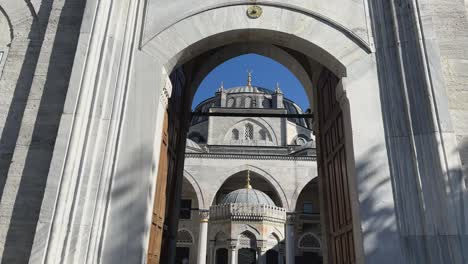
{"x": 250, "y": 190}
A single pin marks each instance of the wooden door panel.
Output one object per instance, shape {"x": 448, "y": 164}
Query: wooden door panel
{"x": 332, "y": 156}
{"x": 163, "y": 226}
{"x": 157, "y": 221}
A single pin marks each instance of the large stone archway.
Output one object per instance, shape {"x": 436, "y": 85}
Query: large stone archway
{"x": 107, "y": 151}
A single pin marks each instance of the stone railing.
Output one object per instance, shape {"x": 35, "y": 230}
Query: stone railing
{"x": 247, "y": 212}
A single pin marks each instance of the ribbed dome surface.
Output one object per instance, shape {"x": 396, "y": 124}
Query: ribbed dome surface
{"x": 249, "y": 89}
{"x": 248, "y": 196}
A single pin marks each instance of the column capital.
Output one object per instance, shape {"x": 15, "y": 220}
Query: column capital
{"x": 232, "y": 244}
{"x": 204, "y": 215}
{"x": 290, "y": 218}
{"x": 261, "y": 245}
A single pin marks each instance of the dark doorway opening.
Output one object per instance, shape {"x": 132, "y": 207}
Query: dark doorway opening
{"x": 221, "y": 256}
{"x": 247, "y": 256}
{"x": 182, "y": 255}
{"x": 272, "y": 256}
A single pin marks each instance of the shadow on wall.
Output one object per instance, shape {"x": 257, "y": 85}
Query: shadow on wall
{"x": 126, "y": 189}
{"x": 380, "y": 226}
{"x": 49, "y": 105}
{"x": 463, "y": 152}
{"x": 422, "y": 193}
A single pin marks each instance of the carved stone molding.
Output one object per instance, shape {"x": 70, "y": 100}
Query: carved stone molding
{"x": 166, "y": 92}
{"x": 256, "y": 157}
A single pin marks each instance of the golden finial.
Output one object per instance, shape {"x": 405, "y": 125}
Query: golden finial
{"x": 249, "y": 78}
{"x": 248, "y": 186}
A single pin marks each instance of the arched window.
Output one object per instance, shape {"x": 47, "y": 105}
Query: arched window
{"x": 263, "y": 134}
{"x": 242, "y": 102}
{"x": 235, "y": 134}
{"x": 238, "y": 102}
{"x": 309, "y": 241}
{"x": 184, "y": 237}
{"x": 247, "y": 102}
{"x": 231, "y": 102}
{"x": 248, "y": 131}
{"x": 266, "y": 103}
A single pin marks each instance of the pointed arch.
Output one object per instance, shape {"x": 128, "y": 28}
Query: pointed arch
{"x": 277, "y": 187}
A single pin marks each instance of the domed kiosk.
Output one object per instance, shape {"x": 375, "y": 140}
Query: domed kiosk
{"x": 249, "y": 225}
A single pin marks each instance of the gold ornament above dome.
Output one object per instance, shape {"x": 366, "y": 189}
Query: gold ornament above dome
{"x": 254, "y": 11}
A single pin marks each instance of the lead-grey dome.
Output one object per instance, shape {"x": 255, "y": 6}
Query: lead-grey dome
{"x": 248, "y": 196}
{"x": 249, "y": 89}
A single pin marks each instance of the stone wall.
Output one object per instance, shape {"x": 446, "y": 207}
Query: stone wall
{"x": 33, "y": 89}
{"x": 450, "y": 25}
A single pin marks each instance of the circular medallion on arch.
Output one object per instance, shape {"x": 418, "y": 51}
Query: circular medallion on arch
{"x": 254, "y": 11}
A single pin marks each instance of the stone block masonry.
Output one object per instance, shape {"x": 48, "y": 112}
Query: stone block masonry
{"x": 33, "y": 89}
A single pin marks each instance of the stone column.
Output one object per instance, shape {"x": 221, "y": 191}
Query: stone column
{"x": 261, "y": 252}
{"x": 211, "y": 252}
{"x": 281, "y": 253}
{"x": 203, "y": 236}
{"x": 233, "y": 252}
{"x": 290, "y": 252}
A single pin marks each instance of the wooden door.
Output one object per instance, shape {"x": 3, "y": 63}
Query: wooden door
{"x": 159, "y": 207}
{"x": 332, "y": 166}
{"x": 169, "y": 177}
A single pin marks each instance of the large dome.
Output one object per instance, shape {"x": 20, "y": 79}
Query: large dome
{"x": 248, "y": 97}
{"x": 248, "y": 196}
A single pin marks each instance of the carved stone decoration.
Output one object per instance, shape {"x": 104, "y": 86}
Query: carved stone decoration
{"x": 254, "y": 11}
{"x": 166, "y": 92}
{"x": 204, "y": 215}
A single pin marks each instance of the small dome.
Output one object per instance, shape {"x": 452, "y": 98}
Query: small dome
{"x": 248, "y": 89}
{"x": 248, "y": 196}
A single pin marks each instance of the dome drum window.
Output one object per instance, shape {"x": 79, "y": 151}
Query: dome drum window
{"x": 263, "y": 134}
{"x": 235, "y": 134}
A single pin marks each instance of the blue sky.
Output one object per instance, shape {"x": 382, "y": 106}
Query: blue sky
{"x": 265, "y": 73}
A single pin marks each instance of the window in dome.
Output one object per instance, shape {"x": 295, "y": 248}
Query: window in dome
{"x": 247, "y": 102}
{"x": 266, "y": 103}
{"x": 263, "y": 134}
{"x": 248, "y": 132}
{"x": 230, "y": 102}
{"x": 238, "y": 102}
{"x": 235, "y": 134}
{"x": 242, "y": 102}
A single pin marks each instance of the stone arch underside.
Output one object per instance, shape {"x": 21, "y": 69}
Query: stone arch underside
{"x": 175, "y": 52}
{"x": 336, "y": 51}
{"x": 273, "y": 52}
{"x": 196, "y": 187}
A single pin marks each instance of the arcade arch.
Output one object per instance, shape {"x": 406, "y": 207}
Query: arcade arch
{"x": 328, "y": 85}
{"x": 238, "y": 181}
